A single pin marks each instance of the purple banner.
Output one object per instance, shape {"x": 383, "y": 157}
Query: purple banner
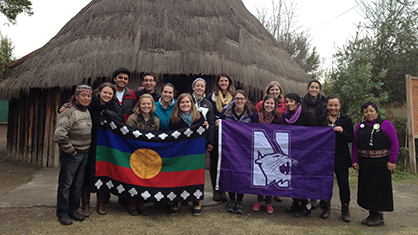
{"x": 276, "y": 160}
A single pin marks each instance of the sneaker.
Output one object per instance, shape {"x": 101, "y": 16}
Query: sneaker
{"x": 293, "y": 208}
{"x": 175, "y": 206}
{"x": 239, "y": 208}
{"x": 269, "y": 208}
{"x": 77, "y": 217}
{"x": 257, "y": 206}
{"x": 303, "y": 212}
{"x": 197, "y": 208}
{"x": 65, "y": 220}
{"x": 231, "y": 206}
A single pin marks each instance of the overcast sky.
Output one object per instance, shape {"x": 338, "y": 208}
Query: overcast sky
{"x": 329, "y": 23}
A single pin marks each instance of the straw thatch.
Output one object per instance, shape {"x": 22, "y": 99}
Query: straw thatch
{"x": 163, "y": 36}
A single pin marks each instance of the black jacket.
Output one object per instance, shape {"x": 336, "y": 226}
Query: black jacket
{"x": 342, "y": 153}
{"x": 306, "y": 118}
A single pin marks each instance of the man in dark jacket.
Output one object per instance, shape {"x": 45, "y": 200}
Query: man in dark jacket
{"x": 125, "y": 96}
{"x": 148, "y": 82}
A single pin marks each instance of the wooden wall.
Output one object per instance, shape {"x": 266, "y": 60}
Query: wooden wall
{"x": 31, "y": 125}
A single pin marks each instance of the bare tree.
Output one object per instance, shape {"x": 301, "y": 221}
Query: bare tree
{"x": 281, "y": 21}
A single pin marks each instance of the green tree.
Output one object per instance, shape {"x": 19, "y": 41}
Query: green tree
{"x": 279, "y": 20}
{"x": 6, "y": 54}
{"x": 354, "y": 78}
{"x": 12, "y": 8}
{"x": 393, "y": 28}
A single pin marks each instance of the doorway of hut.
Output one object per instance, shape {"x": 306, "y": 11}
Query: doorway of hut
{"x": 183, "y": 82}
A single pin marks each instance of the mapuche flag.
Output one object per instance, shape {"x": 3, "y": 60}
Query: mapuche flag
{"x": 150, "y": 166}
{"x": 276, "y": 160}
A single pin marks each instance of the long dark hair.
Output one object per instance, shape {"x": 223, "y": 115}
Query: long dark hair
{"x": 231, "y": 88}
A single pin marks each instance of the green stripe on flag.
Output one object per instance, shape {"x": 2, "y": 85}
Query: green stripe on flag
{"x": 174, "y": 164}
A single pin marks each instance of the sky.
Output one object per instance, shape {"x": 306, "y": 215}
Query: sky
{"x": 329, "y": 22}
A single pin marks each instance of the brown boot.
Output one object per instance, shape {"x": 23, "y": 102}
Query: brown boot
{"x": 223, "y": 196}
{"x": 217, "y": 195}
{"x": 345, "y": 212}
{"x": 326, "y": 208}
{"x": 85, "y": 201}
{"x": 141, "y": 208}
{"x": 133, "y": 206}
{"x": 101, "y": 199}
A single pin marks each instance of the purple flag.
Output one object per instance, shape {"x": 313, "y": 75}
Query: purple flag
{"x": 276, "y": 160}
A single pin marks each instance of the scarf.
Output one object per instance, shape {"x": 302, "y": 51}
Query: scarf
{"x": 306, "y": 102}
{"x": 292, "y": 119}
{"x": 198, "y": 100}
{"x": 188, "y": 119}
{"x": 221, "y": 102}
{"x": 262, "y": 118}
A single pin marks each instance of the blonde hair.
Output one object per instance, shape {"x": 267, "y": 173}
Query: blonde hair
{"x": 272, "y": 84}
{"x": 137, "y": 108}
{"x": 175, "y": 115}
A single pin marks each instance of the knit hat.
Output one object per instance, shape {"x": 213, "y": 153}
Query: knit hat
{"x": 83, "y": 88}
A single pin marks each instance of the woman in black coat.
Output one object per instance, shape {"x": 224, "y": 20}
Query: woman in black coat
{"x": 298, "y": 116}
{"x": 343, "y": 126}
{"x": 185, "y": 114}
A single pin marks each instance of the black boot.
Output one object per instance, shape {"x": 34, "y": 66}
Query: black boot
{"x": 85, "y": 201}
{"x": 345, "y": 212}
{"x": 371, "y": 215}
{"x": 303, "y": 211}
{"x": 377, "y": 220}
{"x": 294, "y": 207}
{"x": 326, "y": 208}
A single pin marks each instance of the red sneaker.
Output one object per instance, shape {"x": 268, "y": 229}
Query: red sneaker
{"x": 269, "y": 208}
{"x": 257, "y": 206}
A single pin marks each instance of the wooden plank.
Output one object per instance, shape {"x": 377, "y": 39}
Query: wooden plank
{"x": 30, "y": 129}
{"x": 411, "y": 112}
{"x": 25, "y": 124}
{"x": 55, "y": 152}
{"x": 11, "y": 129}
{"x": 45, "y": 153}
{"x": 41, "y": 129}
{"x": 36, "y": 125}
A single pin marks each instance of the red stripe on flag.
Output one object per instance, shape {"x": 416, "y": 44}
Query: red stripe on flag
{"x": 162, "y": 180}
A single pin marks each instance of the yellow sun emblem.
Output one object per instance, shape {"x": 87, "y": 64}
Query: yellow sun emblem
{"x": 146, "y": 163}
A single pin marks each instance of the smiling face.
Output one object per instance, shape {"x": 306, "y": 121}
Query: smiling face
{"x": 185, "y": 105}
{"x": 167, "y": 94}
{"x": 269, "y": 105}
{"x": 145, "y": 106}
{"x": 223, "y": 83}
{"x": 291, "y": 105}
{"x": 83, "y": 99}
{"x": 274, "y": 90}
{"x": 121, "y": 81}
{"x": 106, "y": 94}
{"x": 370, "y": 113}
{"x": 199, "y": 88}
{"x": 149, "y": 83}
{"x": 239, "y": 100}
{"x": 314, "y": 90}
{"x": 333, "y": 107}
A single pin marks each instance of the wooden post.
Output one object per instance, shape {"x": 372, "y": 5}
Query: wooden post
{"x": 412, "y": 104}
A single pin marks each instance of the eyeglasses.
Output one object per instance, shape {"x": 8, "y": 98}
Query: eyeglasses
{"x": 239, "y": 99}
{"x": 146, "y": 80}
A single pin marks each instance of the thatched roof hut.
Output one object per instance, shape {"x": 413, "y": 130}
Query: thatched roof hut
{"x": 170, "y": 38}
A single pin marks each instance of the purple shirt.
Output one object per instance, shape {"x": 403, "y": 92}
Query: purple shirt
{"x": 390, "y": 133}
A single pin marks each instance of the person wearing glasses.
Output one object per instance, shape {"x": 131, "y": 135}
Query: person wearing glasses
{"x": 148, "y": 82}
{"x": 239, "y": 110}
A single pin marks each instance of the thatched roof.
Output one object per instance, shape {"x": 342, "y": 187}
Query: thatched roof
{"x": 163, "y": 36}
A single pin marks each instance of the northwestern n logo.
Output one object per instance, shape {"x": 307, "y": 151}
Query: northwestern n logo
{"x": 271, "y": 160}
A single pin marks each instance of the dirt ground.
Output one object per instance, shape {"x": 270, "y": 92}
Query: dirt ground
{"x": 214, "y": 219}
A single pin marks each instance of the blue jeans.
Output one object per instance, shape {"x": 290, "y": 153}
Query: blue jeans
{"x": 70, "y": 180}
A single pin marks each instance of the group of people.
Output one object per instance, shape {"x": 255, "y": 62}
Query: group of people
{"x": 374, "y": 149}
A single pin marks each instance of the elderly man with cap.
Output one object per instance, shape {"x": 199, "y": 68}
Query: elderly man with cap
{"x": 73, "y": 135}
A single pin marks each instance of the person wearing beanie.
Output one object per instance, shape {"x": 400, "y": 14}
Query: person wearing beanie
{"x": 73, "y": 135}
